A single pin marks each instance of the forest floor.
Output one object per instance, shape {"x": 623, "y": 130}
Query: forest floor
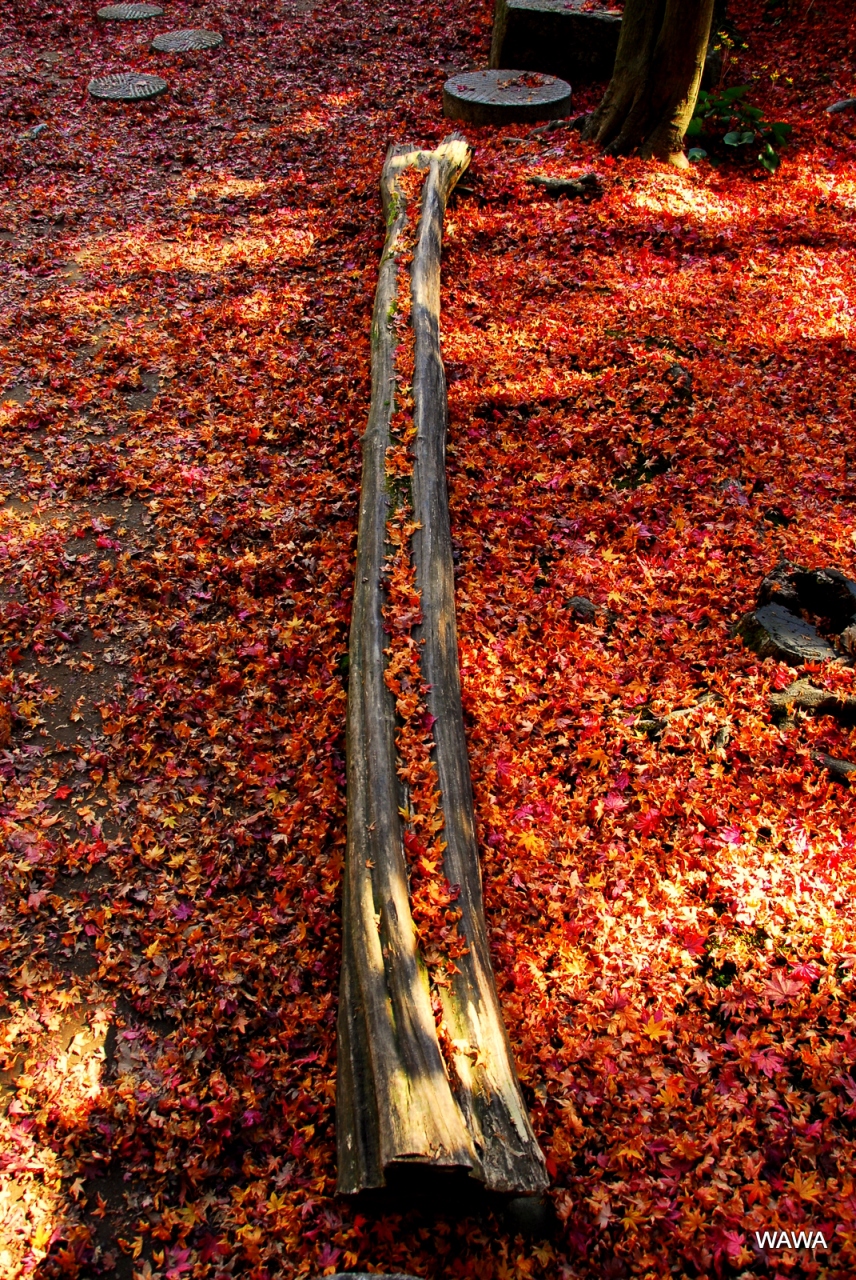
{"x": 652, "y": 399}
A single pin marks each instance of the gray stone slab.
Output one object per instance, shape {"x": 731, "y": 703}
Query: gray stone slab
{"x": 556, "y": 36}
{"x": 185, "y": 41}
{"x": 773, "y": 632}
{"x": 130, "y": 86}
{"x": 129, "y": 12}
{"x": 505, "y": 97}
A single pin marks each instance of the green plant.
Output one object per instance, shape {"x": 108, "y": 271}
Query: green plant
{"x": 726, "y": 117}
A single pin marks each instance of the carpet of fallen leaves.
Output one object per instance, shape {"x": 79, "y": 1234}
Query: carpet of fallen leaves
{"x": 652, "y": 399}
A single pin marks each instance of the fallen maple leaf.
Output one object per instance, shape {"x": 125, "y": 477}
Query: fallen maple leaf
{"x": 781, "y": 988}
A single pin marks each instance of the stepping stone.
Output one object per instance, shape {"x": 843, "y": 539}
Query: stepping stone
{"x": 505, "y": 97}
{"x": 129, "y": 12}
{"x": 774, "y": 632}
{"x": 128, "y": 87}
{"x": 558, "y": 36}
{"x": 184, "y": 41}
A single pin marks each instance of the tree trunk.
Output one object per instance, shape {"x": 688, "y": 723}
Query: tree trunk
{"x": 654, "y": 86}
{"x": 401, "y": 1100}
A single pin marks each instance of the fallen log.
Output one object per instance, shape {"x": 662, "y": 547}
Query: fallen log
{"x": 426, "y": 1078}
{"x": 585, "y": 187}
{"x": 802, "y": 695}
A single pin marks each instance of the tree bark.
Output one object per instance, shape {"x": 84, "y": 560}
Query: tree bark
{"x": 400, "y": 1102}
{"x": 658, "y": 67}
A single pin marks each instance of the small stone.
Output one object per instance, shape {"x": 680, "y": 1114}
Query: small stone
{"x": 505, "y": 97}
{"x": 129, "y": 12}
{"x": 530, "y": 1216}
{"x": 185, "y": 41}
{"x": 582, "y": 608}
{"x": 127, "y": 87}
{"x": 774, "y": 632}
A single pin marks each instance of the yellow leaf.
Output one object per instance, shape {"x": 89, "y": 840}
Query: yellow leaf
{"x": 532, "y": 843}
{"x": 805, "y": 1185}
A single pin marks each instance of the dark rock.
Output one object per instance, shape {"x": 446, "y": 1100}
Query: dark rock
{"x": 582, "y": 609}
{"x": 840, "y": 770}
{"x": 829, "y": 593}
{"x": 585, "y": 187}
{"x": 530, "y": 1216}
{"x": 779, "y": 587}
{"x": 557, "y": 36}
{"x": 774, "y": 632}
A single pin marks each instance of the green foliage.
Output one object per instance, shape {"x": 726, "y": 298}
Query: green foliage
{"x": 725, "y": 117}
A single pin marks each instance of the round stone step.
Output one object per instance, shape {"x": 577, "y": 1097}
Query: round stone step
{"x": 129, "y": 86}
{"x": 505, "y": 97}
{"x": 129, "y": 12}
{"x": 184, "y": 41}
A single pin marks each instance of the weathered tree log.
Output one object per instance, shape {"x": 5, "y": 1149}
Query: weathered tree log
{"x": 400, "y": 1101}
{"x": 802, "y": 695}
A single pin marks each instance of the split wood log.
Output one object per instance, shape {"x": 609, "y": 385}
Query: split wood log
{"x": 401, "y": 1103}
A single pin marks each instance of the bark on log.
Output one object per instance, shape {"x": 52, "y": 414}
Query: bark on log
{"x": 400, "y": 1102}
{"x": 654, "y": 87}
